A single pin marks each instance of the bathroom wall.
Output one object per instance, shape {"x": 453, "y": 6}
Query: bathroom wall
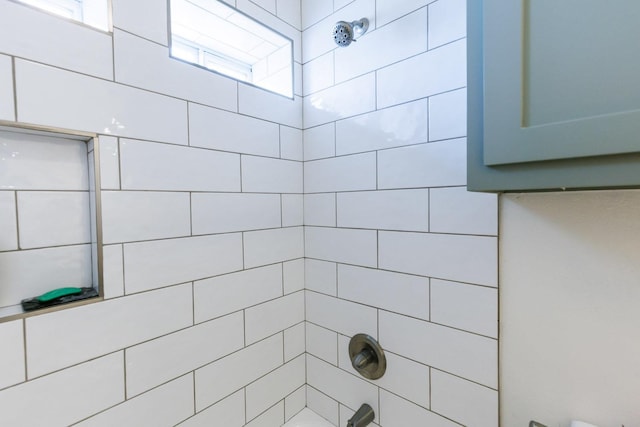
{"x": 203, "y": 317}
{"x": 569, "y": 272}
{"x": 395, "y": 246}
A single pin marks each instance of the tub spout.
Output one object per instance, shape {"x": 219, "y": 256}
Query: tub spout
{"x": 363, "y": 417}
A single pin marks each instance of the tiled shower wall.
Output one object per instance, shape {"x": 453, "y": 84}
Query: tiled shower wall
{"x": 203, "y": 318}
{"x": 395, "y": 246}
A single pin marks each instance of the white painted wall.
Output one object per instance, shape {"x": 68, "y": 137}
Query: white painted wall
{"x": 570, "y": 308}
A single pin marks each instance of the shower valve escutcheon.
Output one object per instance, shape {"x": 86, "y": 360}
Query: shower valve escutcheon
{"x": 367, "y": 357}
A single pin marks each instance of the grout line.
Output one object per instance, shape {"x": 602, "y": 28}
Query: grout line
{"x": 15, "y": 198}
{"x": 124, "y": 291}
{"x": 195, "y": 408}
{"x": 24, "y": 347}
{"x": 124, "y": 366}
{"x": 15, "y": 87}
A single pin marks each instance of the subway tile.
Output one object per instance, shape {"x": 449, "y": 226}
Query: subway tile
{"x": 272, "y": 21}
{"x": 289, "y": 11}
{"x": 97, "y": 105}
{"x": 292, "y": 210}
{"x": 317, "y": 40}
{"x": 229, "y": 412}
{"x": 448, "y": 115}
{"x": 318, "y": 73}
{"x": 144, "y": 215}
{"x": 339, "y": 4}
{"x": 31, "y": 34}
{"x": 226, "y": 131}
{"x": 320, "y": 209}
{"x": 460, "y": 353}
{"x": 291, "y": 143}
{"x": 388, "y": 210}
{"x": 314, "y": 10}
{"x": 158, "y": 361}
{"x": 268, "y": 5}
{"x": 8, "y": 224}
{"x": 65, "y": 397}
{"x": 436, "y": 71}
{"x": 427, "y": 165}
{"x": 223, "y": 213}
{"x": 463, "y": 401}
{"x": 398, "y": 412}
{"x": 322, "y": 343}
{"x": 323, "y": 405}
{"x": 456, "y": 210}
{"x": 321, "y": 276}
{"x": 95, "y": 329}
{"x": 225, "y": 294}
{"x": 403, "y": 38}
{"x": 270, "y": 317}
{"x": 143, "y": 18}
{"x": 39, "y": 270}
{"x": 344, "y": 245}
{"x": 275, "y": 386}
{"x": 263, "y": 175}
{"x": 12, "y": 369}
{"x": 149, "y": 265}
{"x": 468, "y": 307}
{"x": 294, "y": 341}
{"x": 273, "y": 417}
{"x": 37, "y": 164}
{"x": 7, "y": 107}
{"x": 293, "y": 275}
{"x": 131, "y": 51}
{"x": 67, "y": 220}
{"x": 347, "y": 173}
{"x": 297, "y": 76}
{"x": 320, "y": 142}
{"x": 265, "y": 105}
{"x": 109, "y": 163}
{"x": 166, "y": 405}
{"x": 340, "y": 385}
{"x": 342, "y": 316}
{"x": 397, "y": 126}
{"x": 390, "y": 10}
{"x": 401, "y": 293}
{"x": 177, "y": 168}
{"x": 343, "y": 100}
{"x": 113, "y": 271}
{"x": 447, "y": 22}
{"x": 470, "y": 259}
{"x": 295, "y": 403}
{"x": 271, "y": 246}
{"x": 403, "y": 377}
{"x": 235, "y": 371}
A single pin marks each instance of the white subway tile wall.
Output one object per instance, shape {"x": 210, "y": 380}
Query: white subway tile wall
{"x": 202, "y": 211}
{"x": 395, "y": 245}
{"x": 248, "y": 236}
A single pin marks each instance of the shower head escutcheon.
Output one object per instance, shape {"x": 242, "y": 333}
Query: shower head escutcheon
{"x": 344, "y": 32}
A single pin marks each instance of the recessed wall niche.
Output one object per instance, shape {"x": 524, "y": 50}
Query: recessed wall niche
{"x": 49, "y": 228}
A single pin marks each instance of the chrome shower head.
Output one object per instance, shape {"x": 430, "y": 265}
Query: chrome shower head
{"x": 344, "y": 32}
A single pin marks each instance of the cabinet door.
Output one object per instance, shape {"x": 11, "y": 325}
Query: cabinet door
{"x": 555, "y": 86}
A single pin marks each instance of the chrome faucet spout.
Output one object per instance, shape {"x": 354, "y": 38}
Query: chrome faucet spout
{"x": 363, "y": 417}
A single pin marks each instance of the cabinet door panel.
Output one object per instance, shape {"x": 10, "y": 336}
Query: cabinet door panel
{"x": 561, "y": 79}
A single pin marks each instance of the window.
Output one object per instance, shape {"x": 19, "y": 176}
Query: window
{"x": 218, "y": 37}
{"x": 91, "y": 12}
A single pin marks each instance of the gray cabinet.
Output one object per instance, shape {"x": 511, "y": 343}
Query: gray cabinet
{"x": 553, "y": 94}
